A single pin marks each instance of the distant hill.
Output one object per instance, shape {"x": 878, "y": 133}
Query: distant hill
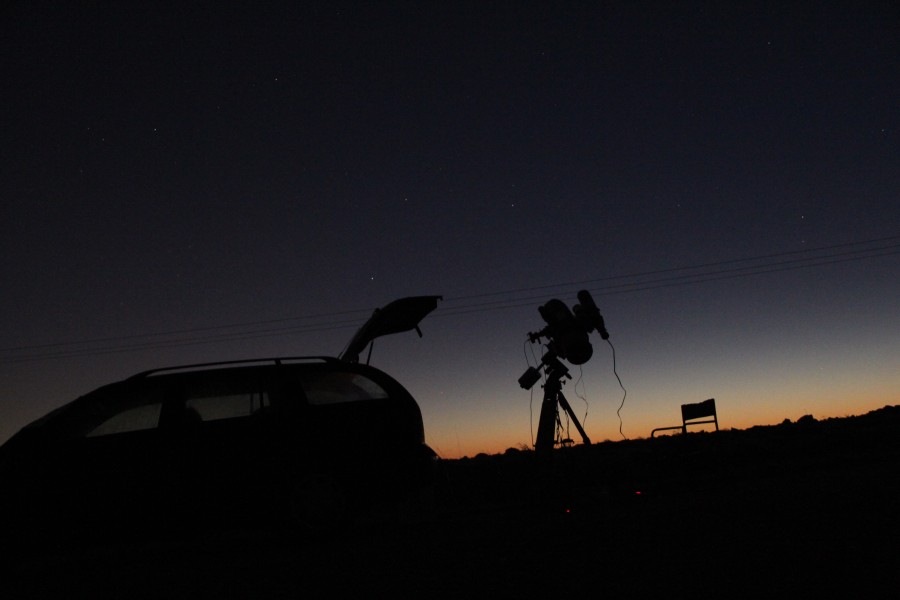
{"x": 665, "y": 465}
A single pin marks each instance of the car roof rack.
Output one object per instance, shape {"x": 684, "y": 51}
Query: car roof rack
{"x": 227, "y": 363}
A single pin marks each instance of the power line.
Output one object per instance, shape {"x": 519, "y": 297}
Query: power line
{"x": 686, "y": 279}
{"x": 675, "y": 269}
{"x": 188, "y": 331}
{"x": 630, "y": 283}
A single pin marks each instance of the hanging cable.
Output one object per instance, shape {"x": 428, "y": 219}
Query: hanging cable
{"x": 624, "y": 391}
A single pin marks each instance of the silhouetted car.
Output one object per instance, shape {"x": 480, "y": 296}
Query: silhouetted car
{"x": 297, "y": 441}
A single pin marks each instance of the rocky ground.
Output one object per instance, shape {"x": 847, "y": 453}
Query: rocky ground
{"x": 800, "y": 508}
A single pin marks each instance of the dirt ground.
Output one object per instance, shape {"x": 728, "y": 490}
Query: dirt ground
{"x": 805, "y": 509}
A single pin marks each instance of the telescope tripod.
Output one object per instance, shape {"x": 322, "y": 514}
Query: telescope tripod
{"x": 549, "y": 419}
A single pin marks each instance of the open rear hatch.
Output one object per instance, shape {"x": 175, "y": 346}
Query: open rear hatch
{"x": 398, "y": 316}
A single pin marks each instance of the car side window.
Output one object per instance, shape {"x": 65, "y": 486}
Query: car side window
{"x": 136, "y": 418}
{"x": 340, "y": 387}
{"x": 224, "y": 400}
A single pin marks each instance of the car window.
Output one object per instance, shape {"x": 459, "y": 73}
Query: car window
{"x": 214, "y": 401}
{"x": 136, "y": 418}
{"x": 340, "y": 387}
{"x": 225, "y": 406}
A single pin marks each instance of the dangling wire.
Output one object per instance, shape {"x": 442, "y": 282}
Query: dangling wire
{"x": 582, "y": 395}
{"x": 624, "y": 391}
{"x": 528, "y": 361}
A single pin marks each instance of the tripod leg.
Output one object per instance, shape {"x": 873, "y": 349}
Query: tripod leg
{"x": 546, "y": 433}
{"x": 565, "y": 404}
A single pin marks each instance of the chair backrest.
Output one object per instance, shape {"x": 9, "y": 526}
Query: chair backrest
{"x": 699, "y": 410}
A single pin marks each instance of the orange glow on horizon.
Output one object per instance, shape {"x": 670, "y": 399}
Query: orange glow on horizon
{"x": 729, "y": 418}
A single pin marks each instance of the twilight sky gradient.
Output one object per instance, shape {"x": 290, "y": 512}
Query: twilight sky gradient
{"x": 185, "y": 184}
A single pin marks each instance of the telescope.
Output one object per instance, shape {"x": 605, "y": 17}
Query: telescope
{"x": 566, "y": 334}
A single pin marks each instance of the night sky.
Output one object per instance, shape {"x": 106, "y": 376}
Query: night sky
{"x": 182, "y": 184}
